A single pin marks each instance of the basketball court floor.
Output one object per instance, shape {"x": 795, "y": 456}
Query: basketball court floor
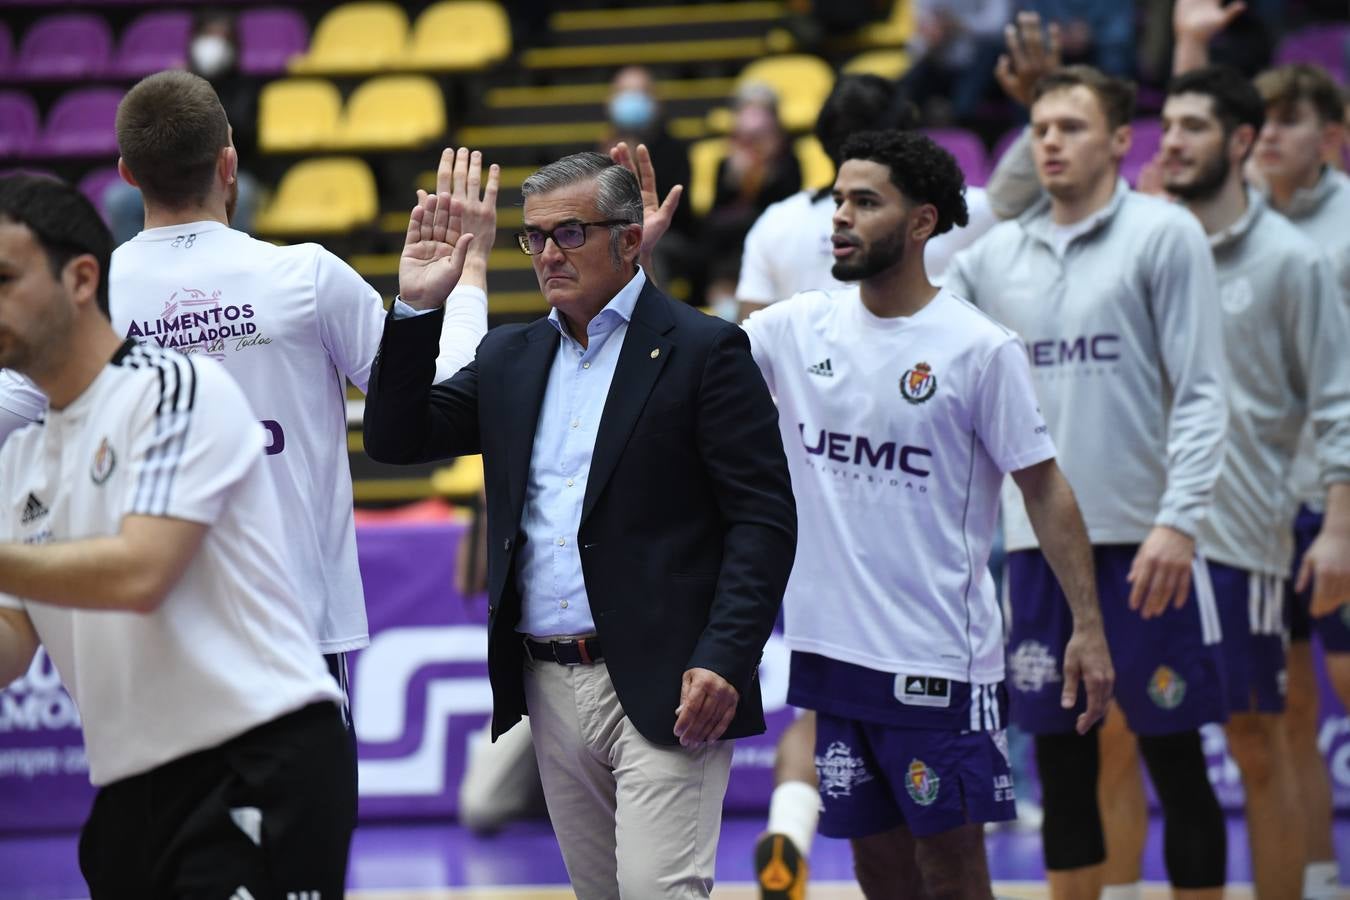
{"x": 439, "y": 861}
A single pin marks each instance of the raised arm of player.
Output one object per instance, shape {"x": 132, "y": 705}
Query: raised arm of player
{"x": 132, "y": 570}
{"x": 18, "y": 643}
{"x": 1013, "y": 186}
{"x": 1063, "y": 537}
{"x": 1194, "y": 25}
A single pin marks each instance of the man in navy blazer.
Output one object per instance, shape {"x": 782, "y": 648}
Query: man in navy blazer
{"x": 641, "y": 524}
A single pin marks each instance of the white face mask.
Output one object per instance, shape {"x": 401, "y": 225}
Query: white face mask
{"x": 211, "y": 55}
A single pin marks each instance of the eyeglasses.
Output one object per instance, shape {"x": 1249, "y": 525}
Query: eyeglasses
{"x": 568, "y": 236}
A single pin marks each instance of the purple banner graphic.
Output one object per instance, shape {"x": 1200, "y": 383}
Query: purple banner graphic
{"x": 419, "y": 693}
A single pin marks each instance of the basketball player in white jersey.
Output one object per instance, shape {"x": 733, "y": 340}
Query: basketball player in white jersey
{"x": 788, "y": 249}
{"x": 906, "y": 407}
{"x": 292, "y": 324}
{"x": 142, "y": 543}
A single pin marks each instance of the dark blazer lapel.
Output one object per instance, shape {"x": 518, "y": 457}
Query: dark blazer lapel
{"x": 526, "y": 376}
{"x": 646, "y": 348}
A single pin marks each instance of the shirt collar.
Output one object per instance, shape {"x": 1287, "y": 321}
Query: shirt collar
{"x": 1037, "y": 222}
{"x": 1306, "y": 200}
{"x": 1238, "y": 230}
{"x": 168, "y": 232}
{"x": 620, "y": 308}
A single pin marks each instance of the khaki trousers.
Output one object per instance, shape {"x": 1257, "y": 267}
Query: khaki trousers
{"x": 635, "y": 820}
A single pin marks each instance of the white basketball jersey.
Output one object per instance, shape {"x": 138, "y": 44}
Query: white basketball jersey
{"x": 898, "y": 433}
{"x": 290, "y": 324}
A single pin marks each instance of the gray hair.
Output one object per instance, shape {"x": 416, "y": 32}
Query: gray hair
{"x": 617, "y": 195}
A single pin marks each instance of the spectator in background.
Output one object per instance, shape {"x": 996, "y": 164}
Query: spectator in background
{"x": 213, "y": 53}
{"x": 759, "y": 169}
{"x": 635, "y": 117}
{"x": 1097, "y": 32}
{"x": 954, "y": 48}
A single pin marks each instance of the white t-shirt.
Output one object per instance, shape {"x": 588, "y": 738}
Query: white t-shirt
{"x": 289, "y": 323}
{"x": 20, "y": 402}
{"x": 232, "y": 646}
{"x": 788, "y": 249}
{"x": 898, "y": 434}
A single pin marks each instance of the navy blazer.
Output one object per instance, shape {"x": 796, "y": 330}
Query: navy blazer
{"x": 688, "y": 525}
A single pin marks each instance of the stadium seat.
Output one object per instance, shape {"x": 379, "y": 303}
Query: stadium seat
{"x": 897, "y": 29}
{"x": 704, "y": 158}
{"x": 1147, "y": 138}
{"x": 18, "y": 123}
{"x": 462, "y": 480}
{"x": 817, "y": 167}
{"x": 802, "y": 83}
{"x": 1325, "y": 45}
{"x": 268, "y": 38}
{"x": 152, "y": 43}
{"x": 321, "y": 196}
{"x": 889, "y": 64}
{"x": 356, "y": 38}
{"x": 95, "y": 185}
{"x": 298, "y": 114}
{"x": 395, "y": 112}
{"x": 81, "y": 123}
{"x": 64, "y": 46}
{"x": 459, "y": 35}
{"x": 968, "y": 150}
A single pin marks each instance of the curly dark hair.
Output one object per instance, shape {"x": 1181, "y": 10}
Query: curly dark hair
{"x": 1235, "y": 100}
{"x": 920, "y": 169}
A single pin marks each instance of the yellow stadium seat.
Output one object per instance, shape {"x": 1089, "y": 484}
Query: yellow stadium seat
{"x": 321, "y": 196}
{"x": 801, "y": 81}
{"x": 704, "y": 158}
{"x": 461, "y": 480}
{"x": 459, "y": 35}
{"x": 895, "y": 31}
{"x": 889, "y": 64}
{"x": 817, "y": 167}
{"x": 296, "y": 114}
{"x": 394, "y": 112}
{"x": 356, "y": 38}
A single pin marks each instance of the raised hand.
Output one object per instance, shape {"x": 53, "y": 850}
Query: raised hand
{"x": 1201, "y": 20}
{"x": 656, "y": 214}
{"x": 461, "y": 216}
{"x": 475, "y": 203}
{"x": 1030, "y": 56}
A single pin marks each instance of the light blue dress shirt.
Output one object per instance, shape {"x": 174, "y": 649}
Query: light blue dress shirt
{"x": 548, "y": 565}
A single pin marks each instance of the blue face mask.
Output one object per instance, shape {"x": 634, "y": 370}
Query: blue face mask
{"x": 632, "y": 110}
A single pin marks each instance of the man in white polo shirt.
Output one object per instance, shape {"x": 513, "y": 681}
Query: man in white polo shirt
{"x": 292, "y": 325}
{"x": 902, "y": 407}
{"x": 142, "y": 544}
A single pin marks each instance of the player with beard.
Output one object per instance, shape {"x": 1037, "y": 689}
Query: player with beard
{"x": 902, "y": 407}
{"x": 1116, "y": 297}
{"x": 1283, "y": 324}
{"x": 1303, "y": 128}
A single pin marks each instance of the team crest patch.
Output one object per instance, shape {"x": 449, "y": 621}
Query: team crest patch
{"x": 839, "y": 770}
{"x": 105, "y": 460}
{"x": 1166, "y": 688}
{"x": 918, "y": 383}
{"x": 922, "y": 783}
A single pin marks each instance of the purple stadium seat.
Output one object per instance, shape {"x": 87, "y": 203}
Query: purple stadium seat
{"x": 67, "y": 46}
{"x": 95, "y": 185}
{"x": 968, "y": 150}
{"x": 81, "y": 123}
{"x": 18, "y": 123}
{"x": 1326, "y": 45}
{"x": 268, "y": 38}
{"x": 1144, "y": 146}
{"x": 155, "y": 41}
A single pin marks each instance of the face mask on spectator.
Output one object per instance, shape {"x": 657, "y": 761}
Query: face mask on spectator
{"x": 211, "y": 55}
{"x": 632, "y": 110}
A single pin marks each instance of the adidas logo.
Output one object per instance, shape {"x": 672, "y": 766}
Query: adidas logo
{"x": 823, "y": 369}
{"x": 33, "y": 509}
